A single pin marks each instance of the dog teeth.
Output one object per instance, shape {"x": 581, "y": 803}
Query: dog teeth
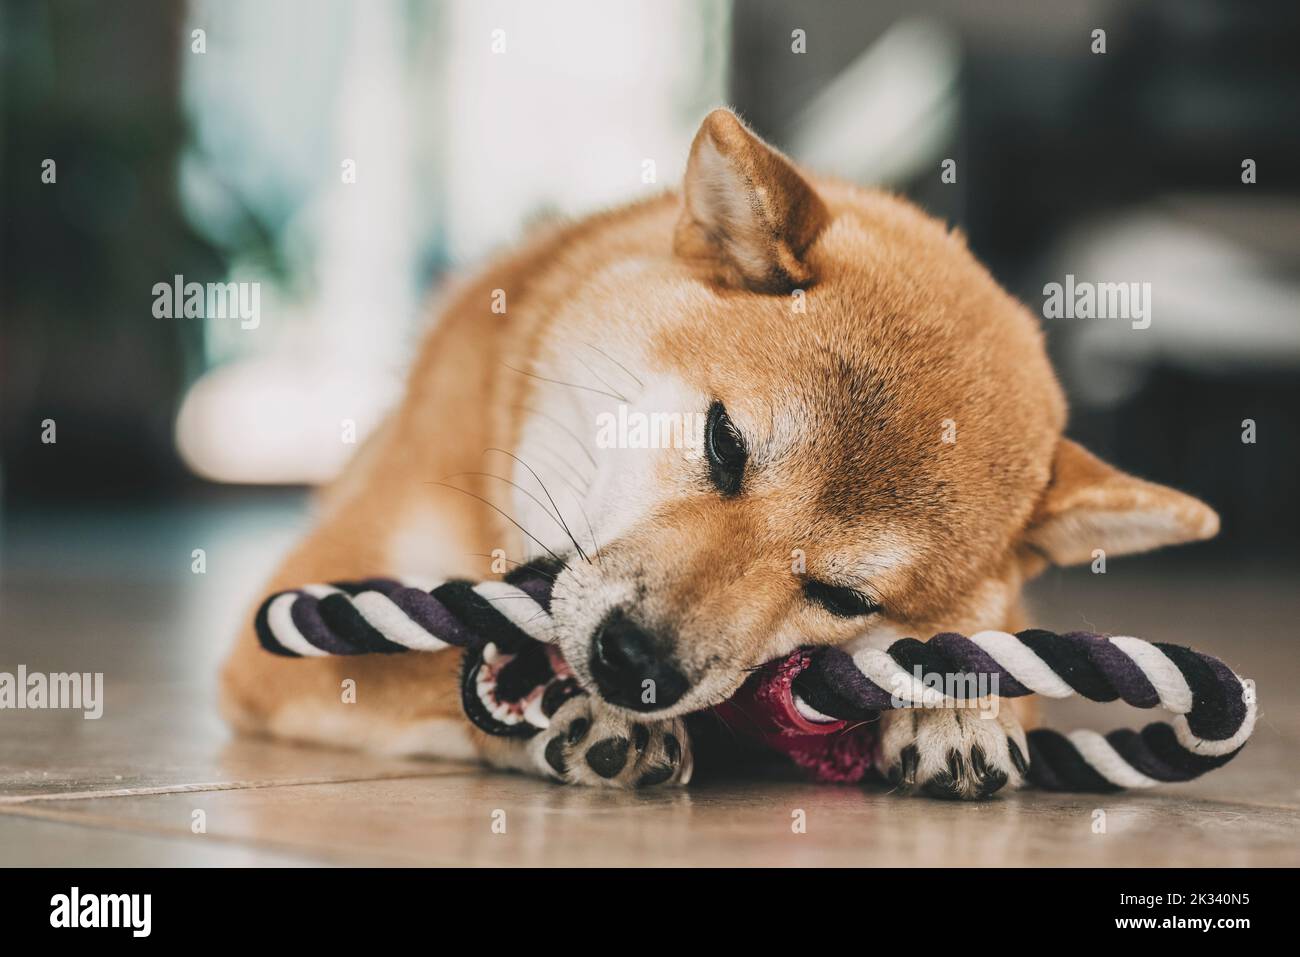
{"x": 483, "y": 687}
{"x": 534, "y": 715}
{"x": 810, "y": 713}
{"x": 505, "y": 715}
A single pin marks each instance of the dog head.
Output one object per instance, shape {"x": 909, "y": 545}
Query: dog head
{"x": 870, "y": 439}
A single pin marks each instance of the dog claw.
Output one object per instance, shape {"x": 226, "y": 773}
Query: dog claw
{"x": 578, "y": 730}
{"x": 656, "y": 775}
{"x": 903, "y": 774}
{"x": 944, "y": 786}
{"x": 948, "y": 756}
{"x": 1018, "y": 757}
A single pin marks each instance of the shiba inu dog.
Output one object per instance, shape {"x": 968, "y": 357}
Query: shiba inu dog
{"x": 880, "y": 454}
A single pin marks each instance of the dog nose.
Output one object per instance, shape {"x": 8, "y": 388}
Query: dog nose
{"x": 628, "y": 668}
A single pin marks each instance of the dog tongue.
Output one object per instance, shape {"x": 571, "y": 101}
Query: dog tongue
{"x": 764, "y": 708}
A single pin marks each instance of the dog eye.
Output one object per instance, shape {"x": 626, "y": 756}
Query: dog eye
{"x": 726, "y": 451}
{"x": 839, "y": 601}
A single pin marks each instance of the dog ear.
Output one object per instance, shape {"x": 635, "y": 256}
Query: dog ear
{"x": 1090, "y": 505}
{"x": 749, "y": 216}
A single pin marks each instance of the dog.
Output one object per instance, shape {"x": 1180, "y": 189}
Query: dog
{"x": 879, "y": 453}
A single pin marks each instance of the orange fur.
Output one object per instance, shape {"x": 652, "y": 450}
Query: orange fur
{"x": 848, "y": 335}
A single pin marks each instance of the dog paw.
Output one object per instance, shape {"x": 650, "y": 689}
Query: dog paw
{"x": 590, "y": 742}
{"x": 957, "y": 754}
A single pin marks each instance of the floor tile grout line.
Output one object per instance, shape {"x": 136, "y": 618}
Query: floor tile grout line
{"x": 125, "y": 826}
{"x": 14, "y": 801}
{"x": 17, "y": 801}
{"x": 310, "y": 854}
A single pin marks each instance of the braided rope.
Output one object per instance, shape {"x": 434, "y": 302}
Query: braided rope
{"x": 388, "y": 616}
{"x": 513, "y": 680}
{"x": 1215, "y": 711}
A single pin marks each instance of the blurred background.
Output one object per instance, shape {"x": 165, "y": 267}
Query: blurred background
{"x": 215, "y": 140}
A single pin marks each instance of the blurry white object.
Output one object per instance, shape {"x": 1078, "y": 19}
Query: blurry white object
{"x": 265, "y": 420}
{"x": 1216, "y": 303}
{"x": 561, "y": 107}
{"x": 890, "y": 112}
{"x": 464, "y": 121}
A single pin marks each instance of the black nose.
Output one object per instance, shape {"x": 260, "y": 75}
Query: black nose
{"x": 630, "y": 670}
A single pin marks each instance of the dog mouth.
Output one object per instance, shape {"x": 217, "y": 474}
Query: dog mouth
{"x": 499, "y": 693}
{"x": 515, "y": 694}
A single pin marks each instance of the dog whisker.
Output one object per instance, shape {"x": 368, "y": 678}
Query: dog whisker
{"x": 511, "y": 561}
{"x": 625, "y": 369}
{"x": 549, "y": 498}
{"x": 568, "y": 431}
{"x": 504, "y": 515}
{"x": 556, "y": 462}
{"x": 571, "y": 385}
{"x": 595, "y": 545}
{"x": 501, "y": 478}
{"x": 578, "y": 496}
{"x": 596, "y": 375}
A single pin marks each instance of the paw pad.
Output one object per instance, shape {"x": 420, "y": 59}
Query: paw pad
{"x": 607, "y": 757}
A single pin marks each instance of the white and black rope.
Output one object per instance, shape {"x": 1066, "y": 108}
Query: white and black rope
{"x": 510, "y": 686}
{"x": 1214, "y": 709}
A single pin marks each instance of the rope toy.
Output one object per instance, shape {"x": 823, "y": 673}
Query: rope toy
{"x": 815, "y": 704}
